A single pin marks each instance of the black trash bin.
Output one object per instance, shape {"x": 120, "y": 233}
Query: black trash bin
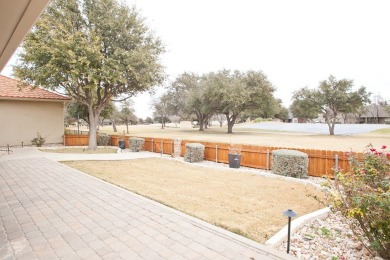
{"x": 122, "y": 144}
{"x": 234, "y": 160}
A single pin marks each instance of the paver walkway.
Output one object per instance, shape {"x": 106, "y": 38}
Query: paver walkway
{"x": 50, "y": 211}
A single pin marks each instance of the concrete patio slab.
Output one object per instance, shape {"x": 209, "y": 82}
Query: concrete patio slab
{"x": 51, "y": 211}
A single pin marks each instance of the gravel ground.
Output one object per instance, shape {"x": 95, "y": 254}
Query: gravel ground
{"x": 329, "y": 238}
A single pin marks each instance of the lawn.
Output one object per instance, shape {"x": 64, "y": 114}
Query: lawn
{"x": 261, "y": 137}
{"x": 79, "y": 150}
{"x": 247, "y": 204}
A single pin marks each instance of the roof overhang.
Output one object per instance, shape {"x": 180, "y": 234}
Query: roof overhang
{"x": 16, "y": 20}
{"x": 36, "y": 99}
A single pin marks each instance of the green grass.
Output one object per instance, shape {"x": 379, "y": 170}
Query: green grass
{"x": 382, "y": 131}
{"x": 80, "y": 150}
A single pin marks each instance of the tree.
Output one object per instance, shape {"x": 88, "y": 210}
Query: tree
{"x": 127, "y": 114}
{"x": 78, "y": 111}
{"x": 149, "y": 120}
{"x": 115, "y": 117}
{"x": 160, "y": 108}
{"x": 178, "y": 93}
{"x": 304, "y": 104}
{"x": 93, "y": 50}
{"x": 200, "y": 99}
{"x": 107, "y": 112}
{"x": 378, "y": 105}
{"x": 282, "y": 114}
{"x": 174, "y": 119}
{"x": 332, "y": 98}
{"x": 237, "y": 92}
{"x": 220, "y": 118}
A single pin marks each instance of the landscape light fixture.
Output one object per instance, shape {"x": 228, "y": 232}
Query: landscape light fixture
{"x": 290, "y": 214}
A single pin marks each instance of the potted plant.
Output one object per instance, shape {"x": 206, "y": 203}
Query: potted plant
{"x": 234, "y": 156}
{"x": 121, "y": 142}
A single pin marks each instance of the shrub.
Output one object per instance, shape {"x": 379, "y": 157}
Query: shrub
{"x": 103, "y": 140}
{"x": 39, "y": 140}
{"x": 194, "y": 152}
{"x": 260, "y": 120}
{"x": 136, "y": 144}
{"x": 363, "y": 196}
{"x": 290, "y": 163}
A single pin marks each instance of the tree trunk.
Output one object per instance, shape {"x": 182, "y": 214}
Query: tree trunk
{"x": 162, "y": 122}
{"x": 201, "y": 123}
{"x": 230, "y": 122}
{"x": 331, "y": 124}
{"x": 93, "y": 122}
{"x": 230, "y": 128}
{"x": 114, "y": 126}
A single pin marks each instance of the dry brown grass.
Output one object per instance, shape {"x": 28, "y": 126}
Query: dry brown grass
{"x": 100, "y": 150}
{"x": 262, "y": 137}
{"x": 244, "y": 203}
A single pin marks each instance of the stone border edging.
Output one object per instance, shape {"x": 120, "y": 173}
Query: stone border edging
{"x": 296, "y": 224}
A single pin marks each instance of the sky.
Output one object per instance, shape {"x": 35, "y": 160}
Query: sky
{"x": 295, "y": 43}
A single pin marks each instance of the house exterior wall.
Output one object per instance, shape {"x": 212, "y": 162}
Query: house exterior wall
{"x": 21, "y": 120}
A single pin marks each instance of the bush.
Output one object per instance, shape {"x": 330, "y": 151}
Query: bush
{"x": 136, "y": 144}
{"x": 260, "y": 120}
{"x": 103, "y": 140}
{"x": 363, "y": 196}
{"x": 39, "y": 140}
{"x": 290, "y": 163}
{"x": 194, "y": 152}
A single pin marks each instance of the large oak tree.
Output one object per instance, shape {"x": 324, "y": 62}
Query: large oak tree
{"x": 237, "y": 92}
{"x": 332, "y": 98}
{"x": 93, "y": 50}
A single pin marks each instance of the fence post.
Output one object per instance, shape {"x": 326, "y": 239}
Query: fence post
{"x": 171, "y": 148}
{"x": 162, "y": 147}
{"x": 267, "y": 160}
{"x": 152, "y": 145}
{"x": 216, "y": 153}
{"x": 336, "y": 164}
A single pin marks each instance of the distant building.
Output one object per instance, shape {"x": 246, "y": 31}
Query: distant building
{"x": 375, "y": 114}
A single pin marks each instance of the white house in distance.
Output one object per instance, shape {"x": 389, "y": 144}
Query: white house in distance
{"x": 25, "y": 112}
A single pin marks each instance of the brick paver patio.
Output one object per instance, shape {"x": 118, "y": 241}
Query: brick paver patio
{"x": 50, "y": 211}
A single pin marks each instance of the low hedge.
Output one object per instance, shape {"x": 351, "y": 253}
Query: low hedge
{"x": 194, "y": 152}
{"x": 290, "y": 163}
{"x": 136, "y": 144}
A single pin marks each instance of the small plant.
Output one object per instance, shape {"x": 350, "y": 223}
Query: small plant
{"x": 136, "y": 144}
{"x": 362, "y": 195}
{"x": 325, "y": 232}
{"x": 39, "y": 140}
{"x": 235, "y": 149}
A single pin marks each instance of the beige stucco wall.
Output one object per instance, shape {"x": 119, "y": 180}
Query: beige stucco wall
{"x": 21, "y": 120}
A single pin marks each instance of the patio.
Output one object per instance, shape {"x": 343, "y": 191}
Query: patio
{"x": 50, "y": 211}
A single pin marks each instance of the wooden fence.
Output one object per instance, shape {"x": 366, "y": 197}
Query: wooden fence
{"x": 321, "y": 162}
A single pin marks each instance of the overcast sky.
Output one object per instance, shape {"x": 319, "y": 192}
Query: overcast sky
{"x": 295, "y": 43}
